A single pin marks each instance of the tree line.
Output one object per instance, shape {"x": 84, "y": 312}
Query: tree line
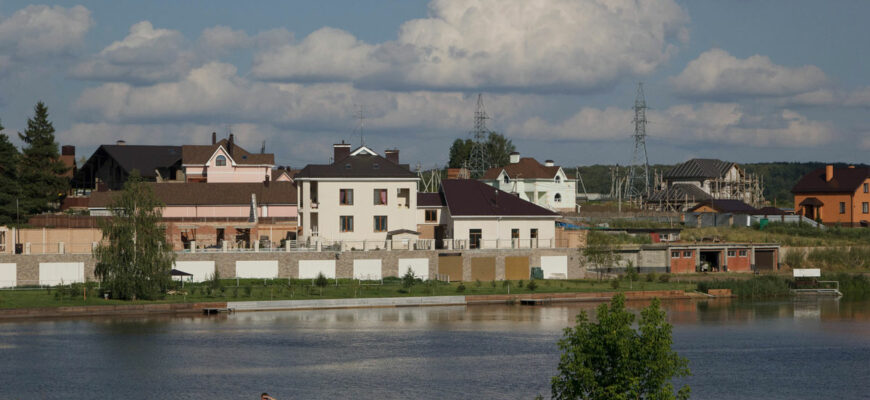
{"x": 31, "y": 179}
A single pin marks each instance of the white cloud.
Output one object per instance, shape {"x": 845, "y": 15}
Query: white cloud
{"x": 220, "y": 39}
{"x": 543, "y": 45}
{"x": 715, "y": 74}
{"x": 37, "y": 31}
{"x": 728, "y": 123}
{"x": 859, "y": 98}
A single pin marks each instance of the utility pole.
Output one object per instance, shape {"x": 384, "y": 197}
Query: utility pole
{"x": 637, "y": 183}
{"x": 478, "y": 160}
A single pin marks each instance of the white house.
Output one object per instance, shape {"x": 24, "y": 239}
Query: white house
{"x": 360, "y": 197}
{"x": 546, "y": 184}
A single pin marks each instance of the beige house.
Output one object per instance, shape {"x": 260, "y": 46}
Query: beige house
{"x": 546, "y": 184}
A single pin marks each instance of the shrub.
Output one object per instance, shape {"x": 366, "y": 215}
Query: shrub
{"x": 248, "y": 291}
{"x": 477, "y": 283}
{"x": 664, "y": 278}
{"x": 460, "y": 288}
{"x": 651, "y": 277}
{"x": 795, "y": 258}
{"x": 505, "y": 283}
{"x": 532, "y": 285}
{"x": 492, "y": 283}
{"x": 520, "y": 283}
{"x": 614, "y": 283}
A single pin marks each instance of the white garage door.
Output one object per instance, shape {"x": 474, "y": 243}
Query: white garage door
{"x": 367, "y": 270}
{"x": 56, "y": 273}
{"x": 257, "y": 269}
{"x": 8, "y": 275}
{"x": 308, "y": 269}
{"x": 420, "y": 266}
{"x": 201, "y": 270}
{"x": 555, "y": 267}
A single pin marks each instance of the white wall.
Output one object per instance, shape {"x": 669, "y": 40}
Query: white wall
{"x": 201, "y": 270}
{"x": 257, "y": 269}
{"x": 420, "y": 266}
{"x": 308, "y": 269}
{"x": 367, "y": 269}
{"x": 56, "y": 273}
{"x": 493, "y": 229}
{"x": 555, "y": 267}
{"x": 8, "y": 275}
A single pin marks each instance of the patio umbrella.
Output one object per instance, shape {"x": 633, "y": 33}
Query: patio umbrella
{"x": 182, "y": 274}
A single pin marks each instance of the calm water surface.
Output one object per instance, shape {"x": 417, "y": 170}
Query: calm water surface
{"x": 737, "y": 350}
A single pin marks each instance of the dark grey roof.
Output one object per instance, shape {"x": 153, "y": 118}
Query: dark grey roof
{"x": 146, "y": 159}
{"x": 211, "y": 194}
{"x": 727, "y": 206}
{"x": 358, "y": 166}
{"x": 429, "y": 200}
{"x": 845, "y": 180}
{"x": 699, "y": 168}
{"x": 468, "y": 197}
{"x": 680, "y": 192}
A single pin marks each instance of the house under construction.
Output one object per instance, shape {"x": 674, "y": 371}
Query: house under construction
{"x": 699, "y": 180}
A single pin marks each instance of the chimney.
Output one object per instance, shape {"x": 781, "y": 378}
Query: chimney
{"x": 230, "y": 144}
{"x": 68, "y": 150}
{"x": 392, "y": 155}
{"x": 213, "y": 137}
{"x": 340, "y": 151}
{"x": 120, "y": 142}
{"x": 515, "y": 157}
{"x": 829, "y": 172}
{"x": 548, "y": 163}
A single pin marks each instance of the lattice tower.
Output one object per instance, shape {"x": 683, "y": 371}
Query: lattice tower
{"x": 637, "y": 180}
{"x": 478, "y": 160}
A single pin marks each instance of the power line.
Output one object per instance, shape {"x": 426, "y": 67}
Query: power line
{"x": 637, "y": 181}
{"x": 478, "y": 159}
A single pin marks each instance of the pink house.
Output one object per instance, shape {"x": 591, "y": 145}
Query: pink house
{"x": 224, "y": 161}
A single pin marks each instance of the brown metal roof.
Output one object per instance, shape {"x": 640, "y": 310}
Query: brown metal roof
{"x": 527, "y": 168}
{"x": 212, "y": 194}
{"x": 200, "y": 154}
{"x": 699, "y": 168}
{"x": 811, "y": 201}
{"x": 358, "y": 166}
{"x": 727, "y": 206}
{"x": 846, "y": 180}
{"x": 429, "y": 200}
{"x": 467, "y": 197}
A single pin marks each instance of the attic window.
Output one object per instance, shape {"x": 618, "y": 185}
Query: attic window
{"x": 244, "y": 157}
{"x": 346, "y": 166}
{"x": 558, "y": 179}
{"x": 220, "y": 161}
{"x": 507, "y": 179}
{"x": 376, "y": 166}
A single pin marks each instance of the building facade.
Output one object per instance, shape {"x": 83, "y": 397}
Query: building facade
{"x": 546, "y": 184}
{"x": 834, "y": 196}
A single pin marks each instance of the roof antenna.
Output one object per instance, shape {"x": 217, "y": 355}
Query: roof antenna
{"x": 263, "y": 148}
{"x": 360, "y": 116}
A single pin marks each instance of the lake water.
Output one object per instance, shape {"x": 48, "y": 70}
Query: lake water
{"x": 737, "y": 350}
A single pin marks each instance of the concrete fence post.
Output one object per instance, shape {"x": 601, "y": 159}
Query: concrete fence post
{"x": 318, "y": 246}
{"x": 27, "y": 248}
{"x": 389, "y": 245}
{"x": 287, "y": 245}
{"x": 60, "y": 248}
{"x": 256, "y": 246}
{"x": 224, "y": 245}
{"x": 192, "y": 245}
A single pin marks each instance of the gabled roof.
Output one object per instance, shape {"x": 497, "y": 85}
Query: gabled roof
{"x": 771, "y": 211}
{"x": 211, "y": 194}
{"x": 467, "y": 197}
{"x": 276, "y": 173}
{"x": 429, "y": 200}
{"x": 846, "y": 180}
{"x": 727, "y": 206}
{"x": 679, "y": 192}
{"x": 362, "y": 165}
{"x": 527, "y": 168}
{"x": 145, "y": 159}
{"x": 200, "y": 154}
{"x": 700, "y": 168}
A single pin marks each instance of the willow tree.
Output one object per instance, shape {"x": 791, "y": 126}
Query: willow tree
{"x": 134, "y": 258}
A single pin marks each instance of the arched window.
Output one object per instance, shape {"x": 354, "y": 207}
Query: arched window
{"x": 558, "y": 179}
{"x": 507, "y": 179}
{"x": 558, "y": 197}
{"x": 220, "y": 161}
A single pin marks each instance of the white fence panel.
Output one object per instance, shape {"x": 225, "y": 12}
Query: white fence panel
{"x": 367, "y": 269}
{"x": 420, "y": 266}
{"x": 201, "y": 270}
{"x": 8, "y": 275}
{"x": 308, "y": 269}
{"x": 55, "y": 273}
{"x": 555, "y": 267}
{"x": 257, "y": 269}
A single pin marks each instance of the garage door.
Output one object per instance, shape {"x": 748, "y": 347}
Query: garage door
{"x": 8, "y": 275}
{"x": 367, "y": 270}
{"x": 450, "y": 266}
{"x": 483, "y": 269}
{"x": 257, "y": 269}
{"x": 555, "y": 267}
{"x": 309, "y": 269}
{"x": 764, "y": 260}
{"x": 201, "y": 270}
{"x": 516, "y": 268}
{"x": 56, "y": 273}
{"x": 420, "y": 266}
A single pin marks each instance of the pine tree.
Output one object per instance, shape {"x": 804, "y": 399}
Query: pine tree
{"x": 40, "y": 168}
{"x": 9, "y": 188}
{"x": 134, "y": 258}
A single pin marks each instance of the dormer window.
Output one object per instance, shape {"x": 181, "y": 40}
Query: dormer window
{"x": 507, "y": 179}
{"x": 376, "y": 166}
{"x": 346, "y": 166}
{"x": 558, "y": 179}
{"x": 220, "y": 161}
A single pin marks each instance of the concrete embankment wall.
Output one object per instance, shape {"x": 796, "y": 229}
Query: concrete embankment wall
{"x": 112, "y": 310}
{"x": 53, "y": 269}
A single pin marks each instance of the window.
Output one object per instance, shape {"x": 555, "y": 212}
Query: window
{"x": 515, "y": 233}
{"x": 346, "y": 222}
{"x": 731, "y": 253}
{"x": 687, "y": 253}
{"x": 675, "y": 254}
{"x": 380, "y": 197}
{"x": 867, "y": 188}
{"x": 842, "y": 207}
{"x": 507, "y": 179}
{"x": 558, "y": 179}
{"x": 431, "y": 215}
{"x": 380, "y": 223}
{"x": 345, "y": 197}
{"x": 220, "y": 161}
{"x": 474, "y": 237}
{"x": 742, "y": 253}
{"x": 533, "y": 233}
{"x": 558, "y": 197}
{"x": 865, "y": 207}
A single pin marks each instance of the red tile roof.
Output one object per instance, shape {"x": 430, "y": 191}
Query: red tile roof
{"x": 527, "y": 168}
{"x": 467, "y": 197}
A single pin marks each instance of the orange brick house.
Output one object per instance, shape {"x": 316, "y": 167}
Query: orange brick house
{"x": 834, "y": 196}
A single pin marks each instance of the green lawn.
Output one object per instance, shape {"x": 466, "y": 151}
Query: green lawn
{"x": 282, "y": 289}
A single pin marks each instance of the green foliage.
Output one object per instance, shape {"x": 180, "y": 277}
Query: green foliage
{"x": 651, "y": 277}
{"x": 532, "y": 285}
{"x": 600, "y": 251}
{"x": 408, "y": 279}
{"x": 614, "y": 283}
{"x": 795, "y": 258}
{"x": 9, "y": 158}
{"x": 478, "y": 283}
{"x": 665, "y": 278}
{"x": 838, "y": 258}
{"x": 757, "y": 287}
{"x": 853, "y": 286}
{"x": 134, "y": 259}
{"x": 631, "y": 273}
{"x": 492, "y": 283}
{"x": 609, "y": 359}
{"x": 460, "y": 288}
{"x": 41, "y": 166}
{"x": 215, "y": 281}
{"x": 321, "y": 281}
{"x": 498, "y": 148}
{"x": 459, "y": 153}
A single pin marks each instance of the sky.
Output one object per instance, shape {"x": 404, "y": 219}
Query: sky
{"x": 740, "y": 80}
